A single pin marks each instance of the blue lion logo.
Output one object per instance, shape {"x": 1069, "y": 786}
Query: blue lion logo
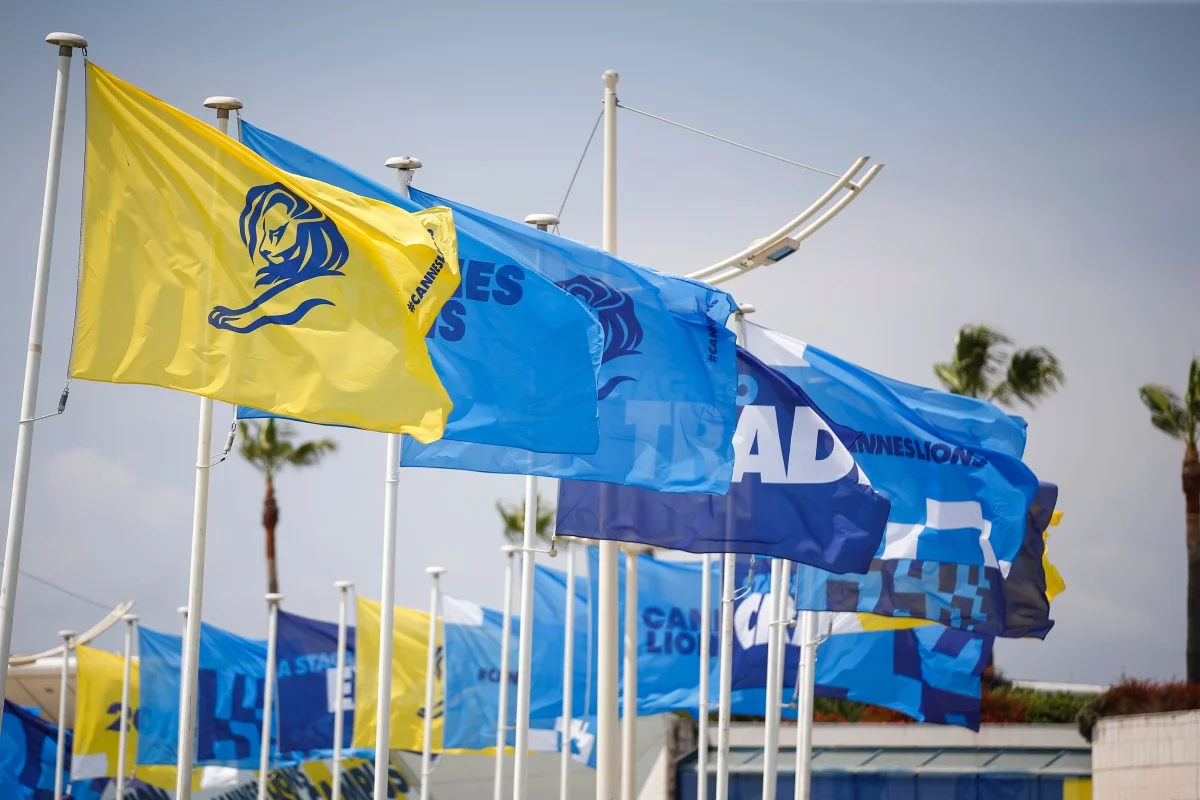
{"x": 618, "y": 319}
{"x": 291, "y": 242}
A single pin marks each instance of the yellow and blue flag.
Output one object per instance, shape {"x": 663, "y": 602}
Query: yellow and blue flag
{"x": 207, "y": 270}
{"x": 519, "y": 356}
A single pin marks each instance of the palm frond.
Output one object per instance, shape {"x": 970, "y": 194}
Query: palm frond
{"x": 978, "y": 358}
{"x": 1192, "y": 397}
{"x": 311, "y": 453}
{"x": 1032, "y": 374}
{"x": 514, "y": 520}
{"x": 1167, "y": 412}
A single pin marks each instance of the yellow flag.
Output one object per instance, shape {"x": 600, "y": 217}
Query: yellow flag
{"x": 207, "y": 270}
{"x": 1055, "y": 585}
{"x": 408, "y": 678}
{"x": 98, "y": 679}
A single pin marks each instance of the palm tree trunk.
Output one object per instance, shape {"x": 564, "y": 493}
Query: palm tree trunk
{"x": 270, "y": 519}
{"x": 1191, "y": 493}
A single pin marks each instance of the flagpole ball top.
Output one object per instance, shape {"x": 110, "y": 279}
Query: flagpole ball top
{"x": 66, "y": 39}
{"x": 509, "y": 549}
{"x": 610, "y": 78}
{"x": 66, "y": 634}
{"x": 403, "y": 162}
{"x": 342, "y": 584}
{"x": 130, "y": 618}
{"x": 222, "y": 102}
{"x": 435, "y": 572}
{"x": 746, "y": 308}
{"x": 542, "y": 221}
{"x": 273, "y": 598}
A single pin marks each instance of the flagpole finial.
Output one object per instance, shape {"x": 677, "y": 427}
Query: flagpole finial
{"x": 66, "y": 634}
{"x": 130, "y": 617}
{"x": 542, "y": 222}
{"x": 403, "y": 162}
{"x": 342, "y": 584}
{"x": 509, "y": 549}
{"x": 435, "y": 572}
{"x": 223, "y": 102}
{"x": 610, "y": 78}
{"x": 746, "y": 308}
{"x": 62, "y": 39}
{"x": 273, "y": 598}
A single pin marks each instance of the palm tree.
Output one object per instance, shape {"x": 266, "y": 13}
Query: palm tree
{"x": 1179, "y": 418}
{"x": 514, "y": 520}
{"x": 269, "y": 447}
{"x": 984, "y": 366}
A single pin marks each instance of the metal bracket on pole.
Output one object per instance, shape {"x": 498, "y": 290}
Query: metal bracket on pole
{"x": 786, "y": 240}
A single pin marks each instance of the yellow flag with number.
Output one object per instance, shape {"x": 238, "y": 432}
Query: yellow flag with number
{"x": 207, "y": 270}
{"x": 98, "y": 679}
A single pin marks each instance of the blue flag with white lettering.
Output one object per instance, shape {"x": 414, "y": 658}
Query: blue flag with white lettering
{"x": 667, "y": 381}
{"x": 229, "y": 698}
{"x": 518, "y": 355}
{"x": 796, "y": 492}
{"x": 28, "y": 746}
{"x": 307, "y": 689}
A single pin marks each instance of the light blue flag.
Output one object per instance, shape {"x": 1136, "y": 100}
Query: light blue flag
{"x": 518, "y": 356}
{"x": 667, "y": 383}
{"x": 229, "y": 698}
{"x": 473, "y": 641}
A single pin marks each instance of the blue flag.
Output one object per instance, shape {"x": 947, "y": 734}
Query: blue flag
{"x": 518, "y": 356}
{"x": 931, "y": 674}
{"x": 306, "y": 657}
{"x": 473, "y": 637}
{"x": 954, "y": 500}
{"x": 28, "y": 745}
{"x": 229, "y": 698}
{"x": 667, "y": 382}
{"x": 796, "y": 492}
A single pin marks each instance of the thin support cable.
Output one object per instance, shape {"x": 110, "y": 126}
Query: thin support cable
{"x": 68, "y": 592}
{"x": 579, "y": 166}
{"x": 728, "y": 141}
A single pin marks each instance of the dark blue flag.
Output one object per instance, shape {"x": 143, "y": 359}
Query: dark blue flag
{"x": 306, "y": 655}
{"x": 27, "y": 753}
{"x": 796, "y": 493}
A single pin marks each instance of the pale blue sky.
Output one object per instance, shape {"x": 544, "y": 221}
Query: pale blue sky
{"x": 1040, "y": 174}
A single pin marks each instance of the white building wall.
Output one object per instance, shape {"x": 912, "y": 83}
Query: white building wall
{"x": 1147, "y": 757}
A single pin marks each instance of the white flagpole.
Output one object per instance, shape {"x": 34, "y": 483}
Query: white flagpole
{"x": 705, "y": 667}
{"x": 805, "y": 684}
{"x": 435, "y": 574}
{"x": 505, "y": 646}
{"x": 726, "y": 676}
{"x": 33, "y": 354}
{"x": 771, "y": 718}
{"x": 264, "y": 755}
{"x": 387, "y": 617}
{"x": 568, "y": 706}
{"x": 726, "y": 658}
{"x": 60, "y": 753}
{"x": 123, "y": 731}
{"x": 607, "y": 719}
{"x": 186, "y": 748}
{"x": 630, "y": 672}
{"x": 339, "y": 700}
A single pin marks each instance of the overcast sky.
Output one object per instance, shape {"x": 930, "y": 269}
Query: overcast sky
{"x": 1040, "y": 178}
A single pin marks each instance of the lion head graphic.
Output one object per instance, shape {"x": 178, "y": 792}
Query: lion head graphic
{"x": 618, "y": 319}
{"x": 290, "y": 241}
